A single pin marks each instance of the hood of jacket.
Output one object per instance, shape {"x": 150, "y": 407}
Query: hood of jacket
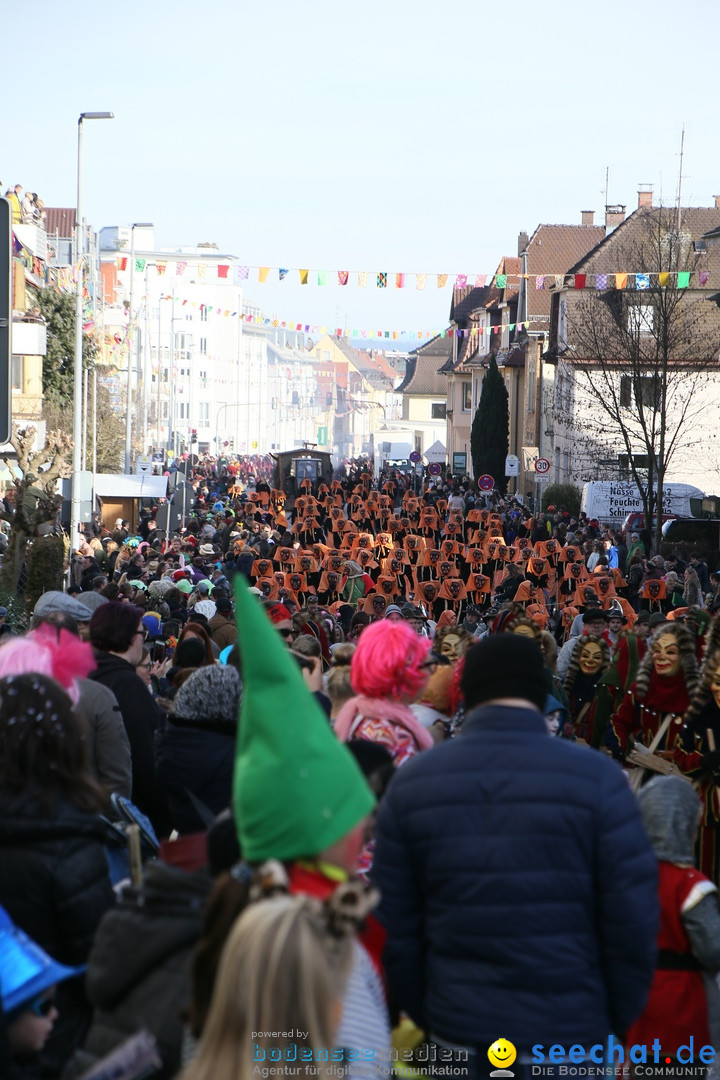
{"x": 670, "y": 811}
{"x": 24, "y": 821}
{"x": 146, "y": 928}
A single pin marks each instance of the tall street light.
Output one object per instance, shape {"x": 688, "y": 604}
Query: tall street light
{"x": 78, "y": 360}
{"x": 131, "y": 342}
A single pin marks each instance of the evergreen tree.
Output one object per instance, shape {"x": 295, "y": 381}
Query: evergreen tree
{"x": 489, "y": 434}
{"x": 58, "y": 310}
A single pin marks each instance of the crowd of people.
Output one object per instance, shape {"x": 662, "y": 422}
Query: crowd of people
{"x": 360, "y": 779}
{"x": 25, "y": 207}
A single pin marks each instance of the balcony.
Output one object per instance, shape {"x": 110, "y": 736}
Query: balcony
{"x": 33, "y": 238}
{"x": 29, "y": 338}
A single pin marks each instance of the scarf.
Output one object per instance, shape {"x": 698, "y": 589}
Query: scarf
{"x": 381, "y": 709}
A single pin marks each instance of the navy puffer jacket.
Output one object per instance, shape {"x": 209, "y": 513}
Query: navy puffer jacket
{"x": 519, "y": 890}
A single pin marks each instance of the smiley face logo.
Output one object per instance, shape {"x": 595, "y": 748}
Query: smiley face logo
{"x": 501, "y": 1054}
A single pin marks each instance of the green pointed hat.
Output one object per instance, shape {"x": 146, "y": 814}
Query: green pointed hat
{"x": 296, "y": 788}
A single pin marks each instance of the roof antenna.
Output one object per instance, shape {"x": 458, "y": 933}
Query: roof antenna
{"x": 680, "y": 178}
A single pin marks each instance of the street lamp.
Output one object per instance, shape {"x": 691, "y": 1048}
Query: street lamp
{"x": 131, "y": 342}
{"x": 78, "y": 362}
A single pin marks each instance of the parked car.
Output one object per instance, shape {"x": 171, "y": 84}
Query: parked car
{"x": 635, "y": 522}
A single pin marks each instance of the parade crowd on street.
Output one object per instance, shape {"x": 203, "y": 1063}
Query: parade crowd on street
{"x": 358, "y": 779}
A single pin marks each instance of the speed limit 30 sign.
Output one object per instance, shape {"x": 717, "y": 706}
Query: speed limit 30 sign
{"x": 542, "y": 466}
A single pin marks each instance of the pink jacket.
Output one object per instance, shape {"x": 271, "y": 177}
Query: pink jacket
{"x": 383, "y": 721}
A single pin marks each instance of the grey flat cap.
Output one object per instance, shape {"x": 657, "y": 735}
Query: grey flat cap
{"x": 60, "y": 601}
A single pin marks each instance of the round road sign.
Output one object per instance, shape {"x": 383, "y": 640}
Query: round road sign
{"x": 542, "y": 466}
{"x": 435, "y": 469}
{"x": 416, "y": 456}
{"x": 486, "y": 482}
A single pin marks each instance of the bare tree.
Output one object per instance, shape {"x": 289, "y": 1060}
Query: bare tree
{"x": 35, "y": 502}
{"x": 641, "y": 356}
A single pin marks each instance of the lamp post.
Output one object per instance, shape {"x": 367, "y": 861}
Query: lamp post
{"x": 131, "y": 343}
{"x": 78, "y": 363}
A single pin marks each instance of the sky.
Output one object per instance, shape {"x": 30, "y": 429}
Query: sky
{"x": 383, "y": 135}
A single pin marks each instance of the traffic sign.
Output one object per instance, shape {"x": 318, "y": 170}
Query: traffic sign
{"x": 415, "y": 456}
{"x": 435, "y": 469}
{"x": 542, "y": 466}
{"x": 512, "y": 465}
{"x": 486, "y": 482}
{"x": 143, "y": 465}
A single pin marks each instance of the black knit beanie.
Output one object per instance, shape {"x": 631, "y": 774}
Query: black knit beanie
{"x": 504, "y": 665}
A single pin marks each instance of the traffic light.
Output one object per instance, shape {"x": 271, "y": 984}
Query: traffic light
{"x": 6, "y": 267}
{"x": 193, "y": 435}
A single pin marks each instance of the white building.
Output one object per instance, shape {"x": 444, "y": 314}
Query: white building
{"x": 177, "y": 314}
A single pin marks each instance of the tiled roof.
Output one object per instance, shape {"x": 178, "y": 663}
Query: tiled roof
{"x": 552, "y": 249}
{"x": 61, "y": 221}
{"x": 422, "y": 376}
{"x": 694, "y": 221}
{"x": 382, "y": 366}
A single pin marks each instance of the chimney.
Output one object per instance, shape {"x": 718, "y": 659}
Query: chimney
{"x": 523, "y": 240}
{"x": 645, "y": 195}
{"x": 717, "y": 201}
{"x": 614, "y": 216}
{"x": 587, "y": 217}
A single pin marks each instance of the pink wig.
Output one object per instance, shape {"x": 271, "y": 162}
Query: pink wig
{"x": 44, "y": 651}
{"x": 388, "y": 661}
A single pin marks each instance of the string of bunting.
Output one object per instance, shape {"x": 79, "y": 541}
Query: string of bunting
{"x": 316, "y": 328}
{"x": 385, "y": 280}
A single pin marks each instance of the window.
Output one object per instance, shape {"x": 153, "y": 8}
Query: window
{"x": 18, "y": 373}
{"x": 644, "y": 390}
{"x": 641, "y": 319}
{"x": 562, "y": 323}
{"x": 203, "y": 313}
{"x": 467, "y": 396}
{"x": 640, "y": 461}
{"x": 204, "y": 412}
{"x": 203, "y": 345}
{"x": 438, "y": 410}
{"x": 531, "y": 386}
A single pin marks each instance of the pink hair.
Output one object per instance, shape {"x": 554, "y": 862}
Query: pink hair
{"x": 44, "y": 651}
{"x": 388, "y": 661}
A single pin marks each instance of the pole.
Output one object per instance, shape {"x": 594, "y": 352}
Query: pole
{"x": 130, "y": 345}
{"x": 171, "y": 408}
{"x": 77, "y": 360}
{"x": 158, "y": 372}
{"x": 86, "y": 380}
{"x": 94, "y": 427}
{"x": 146, "y": 356}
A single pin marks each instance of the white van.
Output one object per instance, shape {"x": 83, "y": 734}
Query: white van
{"x": 610, "y": 501}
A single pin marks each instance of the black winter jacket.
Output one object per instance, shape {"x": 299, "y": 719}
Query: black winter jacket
{"x": 200, "y": 758}
{"x": 518, "y": 887}
{"x": 55, "y": 885}
{"x": 139, "y": 969}
{"x": 141, "y": 718}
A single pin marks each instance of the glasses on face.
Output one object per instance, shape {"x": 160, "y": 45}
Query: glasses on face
{"x": 287, "y": 633}
{"x": 42, "y": 1006}
{"x": 147, "y": 665}
{"x": 143, "y": 634}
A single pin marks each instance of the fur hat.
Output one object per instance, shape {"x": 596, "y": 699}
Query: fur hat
{"x": 688, "y": 660}
{"x": 574, "y": 665}
{"x": 210, "y": 694}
